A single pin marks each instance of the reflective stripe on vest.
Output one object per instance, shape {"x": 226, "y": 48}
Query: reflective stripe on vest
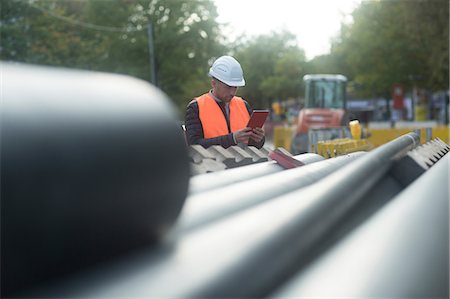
{"x": 213, "y": 121}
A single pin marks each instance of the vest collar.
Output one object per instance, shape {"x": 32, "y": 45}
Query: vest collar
{"x": 214, "y": 97}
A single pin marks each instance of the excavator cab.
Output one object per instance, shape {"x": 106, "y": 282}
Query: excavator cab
{"x": 325, "y": 91}
{"x": 325, "y": 107}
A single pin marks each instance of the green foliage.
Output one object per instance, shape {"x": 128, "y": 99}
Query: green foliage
{"x": 427, "y": 24}
{"x": 112, "y": 36}
{"x": 323, "y": 64}
{"x": 388, "y": 42}
{"x": 272, "y": 65}
{"x": 394, "y": 42}
{"x": 13, "y": 13}
{"x": 30, "y": 36}
{"x": 186, "y": 37}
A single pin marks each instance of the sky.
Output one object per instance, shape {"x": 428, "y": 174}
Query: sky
{"x": 314, "y": 22}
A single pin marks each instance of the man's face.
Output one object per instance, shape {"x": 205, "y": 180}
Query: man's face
{"x": 223, "y": 91}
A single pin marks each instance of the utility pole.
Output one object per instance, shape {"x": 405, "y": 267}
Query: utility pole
{"x": 151, "y": 53}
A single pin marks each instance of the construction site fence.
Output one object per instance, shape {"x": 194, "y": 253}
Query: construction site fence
{"x": 283, "y": 135}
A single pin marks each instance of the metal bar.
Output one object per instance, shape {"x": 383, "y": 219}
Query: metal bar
{"x": 151, "y": 54}
{"x": 428, "y": 134}
{"x": 209, "y": 181}
{"x": 205, "y": 207}
{"x": 401, "y": 252}
{"x": 298, "y": 221}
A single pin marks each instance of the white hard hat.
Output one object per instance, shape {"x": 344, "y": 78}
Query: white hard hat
{"x": 227, "y": 70}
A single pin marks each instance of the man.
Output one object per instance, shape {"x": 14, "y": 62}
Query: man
{"x": 219, "y": 117}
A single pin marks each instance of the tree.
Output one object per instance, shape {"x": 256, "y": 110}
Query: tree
{"x": 427, "y": 23}
{"x": 112, "y": 36}
{"x": 286, "y": 79}
{"x": 30, "y": 35}
{"x": 272, "y": 66}
{"x": 187, "y": 37}
{"x": 393, "y": 41}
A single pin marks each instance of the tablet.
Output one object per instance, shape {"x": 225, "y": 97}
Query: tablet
{"x": 258, "y": 118}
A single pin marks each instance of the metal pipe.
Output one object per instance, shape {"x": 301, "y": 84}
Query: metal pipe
{"x": 151, "y": 53}
{"x": 250, "y": 253}
{"x": 204, "y": 207}
{"x": 428, "y": 134}
{"x": 407, "y": 242}
{"x": 298, "y": 222}
{"x": 210, "y": 181}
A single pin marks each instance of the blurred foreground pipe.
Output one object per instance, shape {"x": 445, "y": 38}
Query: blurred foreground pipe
{"x": 210, "y": 181}
{"x": 93, "y": 165}
{"x": 201, "y": 208}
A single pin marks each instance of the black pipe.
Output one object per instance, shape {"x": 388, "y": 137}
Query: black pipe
{"x": 83, "y": 176}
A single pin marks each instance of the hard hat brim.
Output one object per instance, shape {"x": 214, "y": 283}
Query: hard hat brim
{"x": 233, "y": 83}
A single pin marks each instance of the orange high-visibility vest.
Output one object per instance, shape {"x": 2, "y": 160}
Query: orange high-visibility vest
{"x": 213, "y": 121}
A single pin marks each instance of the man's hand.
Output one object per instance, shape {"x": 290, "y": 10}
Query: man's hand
{"x": 257, "y": 134}
{"x": 242, "y": 135}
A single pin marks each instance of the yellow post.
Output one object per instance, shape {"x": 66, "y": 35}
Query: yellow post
{"x": 355, "y": 129}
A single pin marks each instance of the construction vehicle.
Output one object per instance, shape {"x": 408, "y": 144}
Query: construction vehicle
{"x": 325, "y": 107}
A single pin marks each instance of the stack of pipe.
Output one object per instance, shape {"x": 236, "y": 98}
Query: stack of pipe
{"x": 90, "y": 206}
